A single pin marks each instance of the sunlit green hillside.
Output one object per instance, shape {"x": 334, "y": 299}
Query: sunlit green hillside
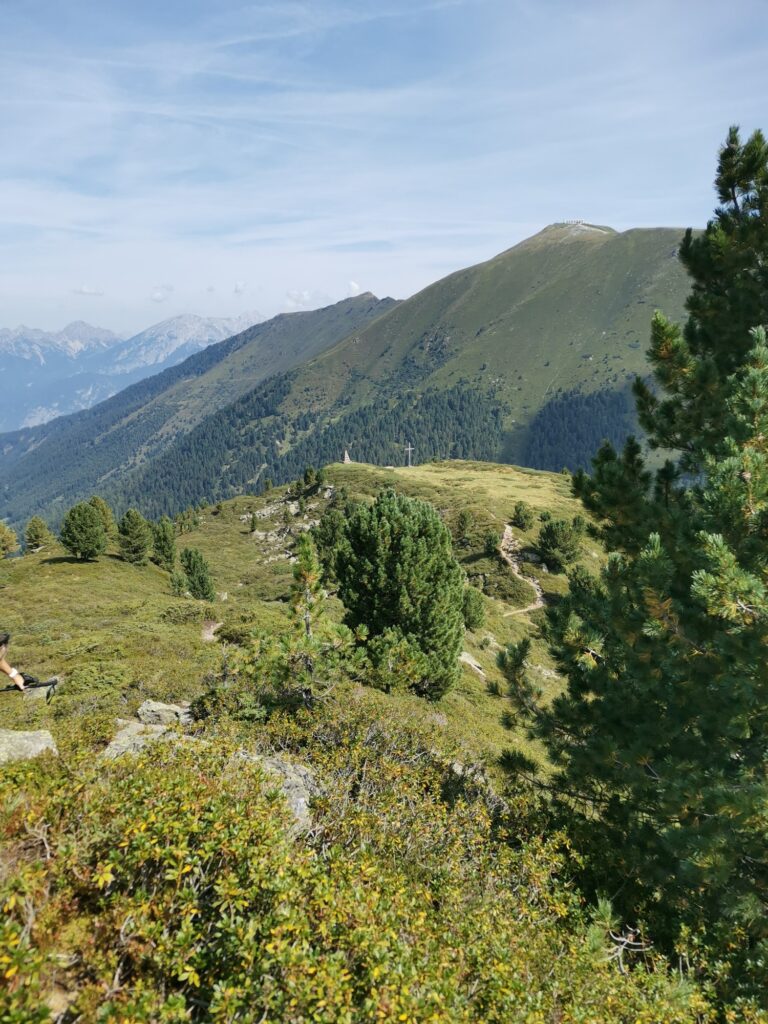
{"x": 117, "y": 635}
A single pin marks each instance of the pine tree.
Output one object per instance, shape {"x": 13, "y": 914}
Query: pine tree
{"x": 660, "y": 741}
{"x": 134, "y": 537}
{"x": 37, "y": 535}
{"x": 9, "y": 542}
{"x": 396, "y": 571}
{"x": 198, "y": 574}
{"x": 307, "y": 598}
{"x": 304, "y": 664}
{"x": 473, "y": 608}
{"x": 464, "y": 524}
{"x": 559, "y": 542}
{"x": 82, "y": 532}
{"x": 106, "y": 516}
{"x": 523, "y": 516}
{"x": 164, "y": 544}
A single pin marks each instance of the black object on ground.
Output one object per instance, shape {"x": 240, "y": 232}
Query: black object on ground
{"x": 32, "y": 683}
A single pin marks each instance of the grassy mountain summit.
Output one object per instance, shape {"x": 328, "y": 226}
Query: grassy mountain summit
{"x": 567, "y": 308}
{"x": 539, "y": 343}
{"x": 536, "y": 345}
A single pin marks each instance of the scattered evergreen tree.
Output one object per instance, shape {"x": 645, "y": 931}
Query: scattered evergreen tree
{"x": 473, "y": 608}
{"x": 198, "y": 573}
{"x": 164, "y": 544}
{"x": 9, "y": 542}
{"x": 178, "y": 584}
{"x": 307, "y": 597}
{"x": 37, "y": 535}
{"x": 491, "y": 543}
{"x": 134, "y": 536}
{"x": 187, "y": 521}
{"x": 396, "y": 571}
{"x": 464, "y": 524}
{"x": 106, "y": 516}
{"x": 559, "y": 542}
{"x": 306, "y": 663}
{"x": 660, "y": 742}
{"x": 523, "y": 516}
{"x": 82, "y": 532}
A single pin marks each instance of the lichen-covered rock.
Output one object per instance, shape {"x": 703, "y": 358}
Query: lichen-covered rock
{"x": 132, "y": 738}
{"x": 153, "y": 712}
{"x": 22, "y": 746}
{"x": 297, "y": 782}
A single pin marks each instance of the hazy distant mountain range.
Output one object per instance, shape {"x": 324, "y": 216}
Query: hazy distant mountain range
{"x": 525, "y": 358}
{"x": 50, "y": 373}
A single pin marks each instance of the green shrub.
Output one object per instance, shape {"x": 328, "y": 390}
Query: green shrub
{"x": 473, "y": 608}
{"x": 491, "y": 543}
{"x": 559, "y": 542}
{"x": 523, "y": 516}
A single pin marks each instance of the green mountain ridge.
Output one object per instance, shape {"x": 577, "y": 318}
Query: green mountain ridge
{"x": 505, "y": 354}
{"x": 46, "y": 466}
{"x": 483, "y": 364}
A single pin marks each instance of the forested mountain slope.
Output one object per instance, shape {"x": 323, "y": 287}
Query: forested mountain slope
{"x": 527, "y": 357}
{"x": 493, "y": 362}
{"x": 43, "y": 467}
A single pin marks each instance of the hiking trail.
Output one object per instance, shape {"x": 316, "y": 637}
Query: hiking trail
{"x": 510, "y": 553}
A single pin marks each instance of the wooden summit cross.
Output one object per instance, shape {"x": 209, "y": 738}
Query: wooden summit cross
{"x": 409, "y": 449}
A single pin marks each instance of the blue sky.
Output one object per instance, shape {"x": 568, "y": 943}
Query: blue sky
{"x": 217, "y": 157}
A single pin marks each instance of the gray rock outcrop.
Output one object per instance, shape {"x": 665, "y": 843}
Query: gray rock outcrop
{"x": 22, "y": 746}
{"x": 132, "y": 737}
{"x": 153, "y": 712}
{"x": 297, "y": 782}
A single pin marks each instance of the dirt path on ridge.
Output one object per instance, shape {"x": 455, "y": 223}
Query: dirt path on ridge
{"x": 510, "y": 553}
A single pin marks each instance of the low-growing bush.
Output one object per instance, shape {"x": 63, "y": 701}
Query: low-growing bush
{"x": 170, "y": 888}
{"x": 523, "y": 516}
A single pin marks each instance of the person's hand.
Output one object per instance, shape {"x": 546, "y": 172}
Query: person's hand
{"x": 17, "y": 679}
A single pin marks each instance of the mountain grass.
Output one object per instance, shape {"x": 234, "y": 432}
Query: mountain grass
{"x": 117, "y": 635}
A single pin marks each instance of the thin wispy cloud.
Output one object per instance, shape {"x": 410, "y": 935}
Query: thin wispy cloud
{"x": 88, "y": 289}
{"x": 161, "y": 292}
{"x": 333, "y": 141}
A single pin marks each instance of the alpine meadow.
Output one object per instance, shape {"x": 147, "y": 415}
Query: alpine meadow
{"x": 392, "y": 655}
